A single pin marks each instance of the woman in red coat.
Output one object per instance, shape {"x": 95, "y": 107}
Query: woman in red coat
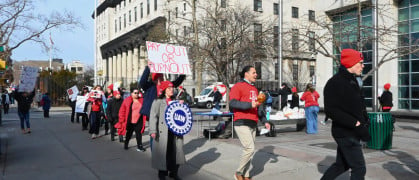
{"x": 130, "y": 119}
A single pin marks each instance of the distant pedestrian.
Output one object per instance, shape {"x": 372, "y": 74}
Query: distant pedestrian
{"x": 217, "y": 98}
{"x": 167, "y": 152}
{"x": 83, "y": 115}
{"x": 311, "y": 109}
{"x": 112, "y": 112}
{"x": 386, "y": 98}
{"x": 72, "y": 103}
{"x": 283, "y": 95}
{"x": 46, "y": 104}
{"x": 96, "y": 98}
{"x": 24, "y": 101}
{"x": 295, "y": 98}
{"x": 130, "y": 119}
{"x": 344, "y": 103}
{"x": 5, "y": 101}
{"x": 244, "y": 104}
{"x": 38, "y": 97}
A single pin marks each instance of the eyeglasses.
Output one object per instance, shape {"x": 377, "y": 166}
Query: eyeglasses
{"x": 135, "y": 92}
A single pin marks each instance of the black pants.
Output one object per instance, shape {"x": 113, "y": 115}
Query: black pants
{"x": 349, "y": 155}
{"x": 137, "y": 128}
{"x": 94, "y": 122}
{"x": 73, "y": 111}
{"x": 6, "y": 108}
{"x": 46, "y": 113}
{"x": 84, "y": 120}
{"x": 113, "y": 121}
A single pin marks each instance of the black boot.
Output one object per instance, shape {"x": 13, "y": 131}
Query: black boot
{"x": 126, "y": 145}
{"x": 112, "y": 137}
{"x": 121, "y": 138}
{"x": 174, "y": 175}
{"x": 141, "y": 148}
{"x": 162, "y": 175}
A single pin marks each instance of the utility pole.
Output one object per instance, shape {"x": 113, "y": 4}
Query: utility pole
{"x": 375, "y": 55}
{"x": 198, "y": 63}
{"x": 279, "y": 60}
{"x": 94, "y": 44}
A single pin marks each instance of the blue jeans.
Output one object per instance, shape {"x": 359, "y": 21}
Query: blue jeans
{"x": 311, "y": 119}
{"x": 94, "y": 122}
{"x": 24, "y": 117}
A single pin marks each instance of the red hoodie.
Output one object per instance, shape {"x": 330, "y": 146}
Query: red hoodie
{"x": 245, "y": 92}
{"x": 310, "y": 98}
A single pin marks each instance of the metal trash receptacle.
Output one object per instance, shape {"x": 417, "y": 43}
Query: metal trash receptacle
{"x": 381, "y": 130}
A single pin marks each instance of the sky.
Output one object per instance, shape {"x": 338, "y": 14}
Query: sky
{"x": 75, "y": 45}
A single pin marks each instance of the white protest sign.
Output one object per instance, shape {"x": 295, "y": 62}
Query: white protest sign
{"x": 80, "y": 103}
{"x": 72, "y": 93}
{"x": 167, "y": 58}
{"x": 28, "y": 79}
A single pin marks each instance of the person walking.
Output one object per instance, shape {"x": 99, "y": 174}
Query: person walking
{"x": 283, "y": 95}
{"x": 46, "y": 104}
{"x": 244, "y": 104}
{"x": 386, "y": 99}
{"x": 95, "y": 97}
{"x": 72, "y": 103}
{"x": 295, "y": 98}
{"x": 24, "y": 101}
{"x": 112, "y": 112}
{"x": 84, "y": 118}
{"x": 167, "y": 152}
{"x": 310, "y": 97}
{"x": 217, "y": 98}
{"x": 130, "y": 119}
{"x": 344, "y": 103}
{"x": 5, "y": 101}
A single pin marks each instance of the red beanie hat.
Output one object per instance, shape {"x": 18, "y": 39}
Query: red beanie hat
{"x": 154, "y": 76}
{"x": 294, "y": 89}
{"x": 116, "y": 93}
{"x": 110, "y": 86}
{"x": 165, "y": 84}
{"x": 350, "y": 57}
{"x": 387, "y": 86}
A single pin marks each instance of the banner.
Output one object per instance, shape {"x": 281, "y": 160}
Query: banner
{"x": 28, "y": 79}
{"x": 72, "y": 93}
{"x": 178, "y": 118}
{"x": 80, "y": 103}
{"x": 167, "y": 58}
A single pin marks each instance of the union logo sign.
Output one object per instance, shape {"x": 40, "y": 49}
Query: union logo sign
{"x": 178, "y": 118}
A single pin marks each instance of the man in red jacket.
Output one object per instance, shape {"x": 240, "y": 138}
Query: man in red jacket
{"x": 243, "y": 102}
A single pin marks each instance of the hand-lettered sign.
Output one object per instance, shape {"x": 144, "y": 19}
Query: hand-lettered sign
{"x": 28, "y": 79}
{"x": 167, "y": 58}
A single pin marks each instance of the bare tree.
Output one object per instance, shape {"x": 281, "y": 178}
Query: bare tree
{"x": 19, "y": 24}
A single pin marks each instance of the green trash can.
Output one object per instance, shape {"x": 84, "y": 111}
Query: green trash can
{"x": 381, "y": 130}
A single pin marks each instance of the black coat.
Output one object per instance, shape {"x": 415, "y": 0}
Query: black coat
{"x": 112, "y": 110}
{"x": 344, "y": 104}
{"x": 295, "y": 102}
{"x": 386, "y": 99}
{"x": 24, "y": 103}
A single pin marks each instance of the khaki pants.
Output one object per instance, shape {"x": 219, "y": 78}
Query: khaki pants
{"x": 247, "y": 137}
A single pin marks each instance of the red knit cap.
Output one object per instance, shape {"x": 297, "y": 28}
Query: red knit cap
{"x": 350, "y": 57}
{"x": 110, "y": 86}
{"x": 165, "y": 84}
{"x": 154, "y": 76}
{"x": 387, "y": 86}
{"x": 116, "y": 93}
{"x": 294, "y": 89}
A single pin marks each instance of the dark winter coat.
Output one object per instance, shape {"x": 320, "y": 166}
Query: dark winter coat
{"x": 295, "y": 101}
{"x": 344, "y": 104}
{"x": 112, "y": 110}
{"x": 386, "y": 99}
{"x": 150, "y": 90}
{"x": 24, "y": 103}
{"x": 47, "y": 102}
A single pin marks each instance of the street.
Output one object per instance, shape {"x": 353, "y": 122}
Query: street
{"x": 58, "y": 149}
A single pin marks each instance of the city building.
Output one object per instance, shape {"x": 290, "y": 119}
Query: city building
{"x": 312, "y": 34}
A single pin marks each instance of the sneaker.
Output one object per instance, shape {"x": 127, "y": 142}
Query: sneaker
{"x": 323, "y": 123}
{"x": 141, "y": 149}
{"x": 94, "y": 136}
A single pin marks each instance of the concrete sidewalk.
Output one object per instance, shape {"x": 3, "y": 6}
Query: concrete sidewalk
{"x": 58, "y": 149}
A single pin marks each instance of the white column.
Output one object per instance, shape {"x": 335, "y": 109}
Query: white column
{"x": 114, "y": 75}
{"x": 124, "y": 67}
{"x": 110, "y": 68}
{"x": 104, "y": 69}
{"x": 143, "y": 58}
{"x": 135, "y": 62}
{"x": 130, "y": 77}
{"x": 118, "y": 66}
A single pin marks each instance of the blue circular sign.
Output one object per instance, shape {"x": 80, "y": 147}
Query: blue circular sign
{"x": 178, "y": 118}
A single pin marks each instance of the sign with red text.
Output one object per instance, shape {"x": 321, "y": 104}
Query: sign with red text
{"x": 167, "y": 58}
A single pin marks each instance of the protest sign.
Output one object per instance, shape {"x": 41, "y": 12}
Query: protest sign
{"x": 167, "y": 58}
{"x": 72, "y": 93}
{"x": 28, "y": 79}
{"x": 80, "y": 103}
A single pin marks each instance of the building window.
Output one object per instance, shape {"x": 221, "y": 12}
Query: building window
{"x": 223, "y": 4}
{"x": 276, "y": 9}
{"x": 116, "y": 25}
{"x": 168, "y": 15}
{"x": 141, "y": 10}
{"x": 295, "y": 12}
{"x": 155, "y": 5}
{"x": 311, "y": 41}
{"x": 311, "y": 15}
{"x": 276, "y": 37}
{"x": 125, "y": 3}
{"x": 257, "y": 5}
{"x": 129, "y": 16}
{"x": 177, "y": 33}
{"x": 223, "y": 25}
{"x": 185, "y": 31}
{"x": 258, "y": 67}
{"x": 223, "y": 43}
{"x": 176, "y": 12}
{"x": 295, "y": 39}
{"x": 148, "y": 7}
{"x": 295, "y": 72}
{"x": 276, "y": 71}
{"x": 125, "y": 20}
{"x": 135, "y": 14}
{"x": 258, "y": 34}
{"x": 120, "y": 23}
{"x": 311, "y": 70}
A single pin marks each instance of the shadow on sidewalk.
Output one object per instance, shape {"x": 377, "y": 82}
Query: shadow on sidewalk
{"x": 398, "y": 170}
{"x": 409, "y": 128}
{"x": 323, "y": 165}
{"x": 203, "y": 158}
{"x": 193, "y": 144}
{"x": 261, "y": 157}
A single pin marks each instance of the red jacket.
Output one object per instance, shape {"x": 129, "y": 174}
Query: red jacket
{"x": 310, "y": 98}
{"x": 244, "y": 92}
{"x": 124, "y": 112}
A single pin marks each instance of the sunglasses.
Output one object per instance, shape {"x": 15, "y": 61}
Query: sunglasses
{"x": 135, "y": 92}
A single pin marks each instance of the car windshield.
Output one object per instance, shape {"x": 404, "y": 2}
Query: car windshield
{"x": 205, "y": 91}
